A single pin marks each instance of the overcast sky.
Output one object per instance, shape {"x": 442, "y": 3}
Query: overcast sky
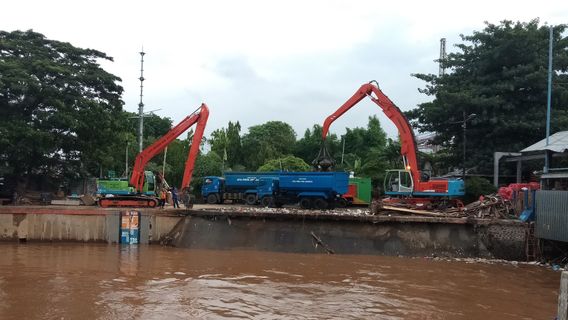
{"x": 256, "y": 61}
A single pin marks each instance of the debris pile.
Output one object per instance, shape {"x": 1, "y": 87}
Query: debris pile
{"x": 490, "y": 207}
{"x": 487, "y": 207}
{"x": 288, "y": 211}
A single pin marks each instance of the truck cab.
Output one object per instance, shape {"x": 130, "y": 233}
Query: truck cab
{"x": 266, "y": 188}
{"x": 212, "y": 189}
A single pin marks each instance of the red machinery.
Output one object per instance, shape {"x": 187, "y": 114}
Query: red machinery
{"x": 199, "y": 116}
{"x": 408, "y": 185}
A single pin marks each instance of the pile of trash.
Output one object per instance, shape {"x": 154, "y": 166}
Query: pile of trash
{"x": 287, "y": 211}
{"x": 492, "y": 206}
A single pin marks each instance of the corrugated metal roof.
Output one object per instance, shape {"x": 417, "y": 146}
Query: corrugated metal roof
{"x": 557, "y": 142}
{"x": 556, "y": 175}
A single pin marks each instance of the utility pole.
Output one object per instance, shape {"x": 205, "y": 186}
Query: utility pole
{"x": 442, "y": 70}
{"x": 126, "y": 162}
{"x": 141, "y": 104}
{"x": 464, "y": 126}
{"x": 548, "y": 101}
{"x": 164, "y": 163}
{"x": 343, "y": 149}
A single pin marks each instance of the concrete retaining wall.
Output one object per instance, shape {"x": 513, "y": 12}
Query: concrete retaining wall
{"x": 314, "y": 232}
{"x": 413, "y": 237}
{"x": 62, "y": 226}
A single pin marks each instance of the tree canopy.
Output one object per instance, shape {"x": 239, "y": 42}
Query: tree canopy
{"x": 267, "y": 141}
{"x": 60, "y": 112}
{"x": 288, "y": 163}
{"x": 500, "y": 75}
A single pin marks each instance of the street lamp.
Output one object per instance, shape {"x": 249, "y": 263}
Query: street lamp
{"x": 464, "y": 126}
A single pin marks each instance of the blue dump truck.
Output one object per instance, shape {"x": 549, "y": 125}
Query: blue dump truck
{"x": 319, "y": 190}
{"x": 235, "y": 186}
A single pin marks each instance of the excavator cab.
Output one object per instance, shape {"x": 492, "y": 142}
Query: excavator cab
{"x": 398, "y": 182}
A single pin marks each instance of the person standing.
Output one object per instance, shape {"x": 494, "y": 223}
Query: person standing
{"x": 162, "y": 198}
{"x": 175, "y": 197}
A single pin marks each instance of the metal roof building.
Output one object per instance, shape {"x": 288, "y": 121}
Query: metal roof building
{"x": 557, "y": 142}
{"x": 557, "y": 147}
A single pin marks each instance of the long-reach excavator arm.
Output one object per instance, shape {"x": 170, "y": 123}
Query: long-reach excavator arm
{"x": 407, "y": 141}
{"x": 406, "y": 182}
{"x": 199, "y": 116}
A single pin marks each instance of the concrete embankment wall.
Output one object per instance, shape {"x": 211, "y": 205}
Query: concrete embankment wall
{"x": 80, "y": 224}
{"x": 382, "y": 235}
{"x": 301, "y": 233}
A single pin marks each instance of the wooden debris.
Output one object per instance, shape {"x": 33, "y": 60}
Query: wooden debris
{"x": 490, "y": 207}
{"x": 319, "y": 242}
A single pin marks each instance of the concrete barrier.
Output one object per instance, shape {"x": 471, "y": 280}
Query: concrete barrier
{"x": 382, "y": 235}
{"x": 303, "y": 233}
{"x": 85, "y": 225}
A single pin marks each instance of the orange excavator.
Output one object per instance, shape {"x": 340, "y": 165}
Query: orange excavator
{"x": 406, "y": 186}
{"x": 137, "y": 197}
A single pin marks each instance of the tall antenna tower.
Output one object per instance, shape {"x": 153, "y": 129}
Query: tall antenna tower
{"x": 141, "y": 104}
{"x": 442, "y": 70}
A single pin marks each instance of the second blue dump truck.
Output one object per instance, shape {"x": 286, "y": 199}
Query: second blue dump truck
{"x": 319, "y": 190}
{"x": 235, "y": 186}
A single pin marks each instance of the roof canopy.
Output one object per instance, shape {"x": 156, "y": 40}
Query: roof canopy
{"x": 557, "y": 142}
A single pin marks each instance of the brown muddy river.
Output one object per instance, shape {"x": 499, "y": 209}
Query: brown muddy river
{"x": 75, "y": 281}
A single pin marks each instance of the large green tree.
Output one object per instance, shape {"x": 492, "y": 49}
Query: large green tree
{"x": 287, "y": 163}
{"x": 500, "y": 75}
{"x": 308, "y": 146}
{"x": 365, "y": 151}
{"x": 60, "y": 112}
{"x": 227, "y": 144}
{"x": 267, "y": 141}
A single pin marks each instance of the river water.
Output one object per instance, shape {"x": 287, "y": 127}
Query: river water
{"x": 97, "y": 281}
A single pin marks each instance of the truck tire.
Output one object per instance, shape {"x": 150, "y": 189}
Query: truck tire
{"x": 321, "y": 204}
{"x": 250, "y": 199}
{"x": 212, "y": 199}
{"x": 306, "y": 203}
{"x": 342, "y": 203}
{"x": 266, "y": 201}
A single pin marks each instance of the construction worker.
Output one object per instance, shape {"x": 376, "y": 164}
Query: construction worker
{"x": 162, "y": 198}
{"x": 175, "y": 197}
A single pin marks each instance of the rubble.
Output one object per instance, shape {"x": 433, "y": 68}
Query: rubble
{"x": 487, "y": 207}
{"x": 288, "y": 210}
{"x": 490, "y": 207}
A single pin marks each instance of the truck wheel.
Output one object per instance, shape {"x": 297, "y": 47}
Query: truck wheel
{"x": 342, "y": 203}
{"x": 250, "y": 199}
{"x": 306, "y": 203}
{"x": 320, "y": 204}
{"x": 266, "y": 201}
{"x": 212, "y": 199}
